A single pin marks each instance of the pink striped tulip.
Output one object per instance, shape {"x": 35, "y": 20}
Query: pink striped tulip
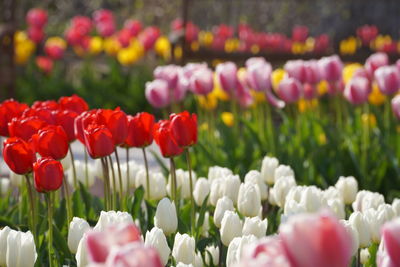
{"x": 389, "y": 250}
{"x": 375, "y": 61}
{"x": 396, "y": 106}
{"x": 289, "y": 90}
{"x": 388, "y": 79}
{"x": 259, "y": 76}
{"x": 201, "y": 81}
{"x": 296, "y": 69}
{"x": 227, "y": 76}
{"x": 133, "y": 255}
{"x": 331, "y": 68}
{"x": 316, "y": 240}
{"x": 357, "y": 90}
{"x": 157, "y": 93}
{"x": 168, "y": 73}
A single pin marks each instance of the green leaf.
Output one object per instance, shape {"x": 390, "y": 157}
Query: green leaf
{"x": 137, "y": 201}
{"x": 77, "y": 205}
{"x": 60, "y": 215}
{"x": 87, "y": 200}
{"x": 5, "y": 222}
{"x": 60, "y": 243}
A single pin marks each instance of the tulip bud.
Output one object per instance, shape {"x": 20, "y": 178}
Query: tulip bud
{"x": 227, "y": 76}
{"x": 268, "y": 167}
{"x": 81, "y": 253}
{"x": 249, "y": 200}
{"x": 214, "y": 252}
{"x": 354, "y": 235}
{"x": 254, "y": 177}
{"x": 259, "y": 76}
{"x": 331, "y": 68}
{"x": 108, "y": 218}
{"x": 18, "y": 155}
{"x": 396, "y": 106}
{"x": 166, "y": 217}
{"x": 364, "y": 256}
{"x": 3, "y": 244}
{"x": 366, "y": 200}
{"x": 216, "y": 191}
{"x": 347, "y": 187}
{"x": 231, "y": 227}
{"x": 360, "y": 223}
{"x": 281, "y": 189}
{"x": 223, "y": 204}
{"x": 201, "y": 81}
{"x": 216, "y": 172}
{"x": 77, "y": 228}
{"x": 230, "y": 187}
{"x": 156, "y": 239}
{"x": 290, "y": 90}
{"x": 201, "y": 191}
{"x": 184, "y": 248}
{"x": 336, "y": 205}
{"x": 388, "y": 79}
{"x": 282, "y": 171}
{"x": 357, "y": 90}
{"x": 198, "y": 260}
{"x": 48, "y": 175}
{"x": 232, "y": 254}
{"x": 157, "y": 93}
{"x": 255, "y": 226}
{"x": 375, "y": 61}
{"x": 21, "y": 250}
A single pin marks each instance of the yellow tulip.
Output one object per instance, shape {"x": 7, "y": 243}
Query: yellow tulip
{"x": 276, "y": 77}
{"x": 178, "y": 52}
{"x": 23, "y": 51}
{"x": 259, "y": 97}
{"x": 20, "y": 36}
{"x": 56, "y": 40}
{"x": 322, "y": 87}
{"x": 255, "y": 49}
{"x": 348, "y": 46}
{"x": 206, "y": 38}
{"x": 127, "y": 56}
{"x": 111, "y": 46}
{"x": 348, "y": 71}
{"x": 208, "y": 102}
{"x": 95, "y": 45}
{"x": 369, "y": 119}
{"x": 218, "y": 91}
{"x": 305, "y": 104}
{"x": 376, "y": 98}
{"x": 163, "y": 47}
{"x": 228, "y": 118}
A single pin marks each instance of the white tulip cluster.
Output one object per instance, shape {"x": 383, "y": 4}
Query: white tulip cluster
{"x": 17, "y": 249}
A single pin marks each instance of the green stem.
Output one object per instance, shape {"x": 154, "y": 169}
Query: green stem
{"x": 106, "y": 184}
{"x": 67, "y": 200}
{"x": 86, "y": 167}
{"x": 173, "y": 180}
{"x": 365, "y": 142}
{"x": 270, "y": 129}
{"x": 73, "y": 166}
{"x": 128, "y": 182}
{"x": 192, "y": 208}
{"x": 114, "y": 196}
{"x": 50, "y": 224}
{"x": 32, "y": 219}
{"x": 146, "y": 164}
{"x": 121, "y": 193}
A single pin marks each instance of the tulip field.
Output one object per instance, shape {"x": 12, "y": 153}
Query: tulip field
{"x": 222, "y": 163}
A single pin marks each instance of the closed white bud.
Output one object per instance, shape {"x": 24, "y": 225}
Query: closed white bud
{"x": 230, "y": 187}
{"x": 112, "y": 217}
{"x": 201, "y": 191}
{"x": 82, "y": 254}
{"x": 255, "y": 178}
{"x": 312, "y": 198}
{"x": 364, "y": 256}
{"x": 216, "y": 191}
{"x": 249, "y": 200}
{"x": 283, "y": 171}
{"x": 214, "y": 252}
{"x": 198, "y": 260}
{"x": 255, "y": 226}
{"x": 223, "y": 204}
{"x": 293, "y": 207}
{"x": 184, "y": 249}
{"x": 21, "y": 250}
{"x": 360, "y": 223}
{"x": 77, "y": 228}
{"x": 3, "y": 244}
{"x": 354, "y": 235}
{"x": 366, "y": 200}
{"x": 233, "y": 251}
{"x": 348, "y": 188}
{"x": 336, "y": 205}
{"x": 216, "y": 172}
{"x": 268, "y": 167}
{"x": 166, "y": 217}
{"x": 331, "y": 193}
{"x": 281, "y": 189}
{"x": 231, "y": 227}
{"x": 156, "y": 239}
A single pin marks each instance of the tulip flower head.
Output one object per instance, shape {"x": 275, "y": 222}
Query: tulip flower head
{"x": 184, "y": 128}
{"x": 396, "y": 106}
{"x": 388, "y": 79}
{"x": 357, "y": 90}
{"x": 51, "y": 141}
{"x": 18, "y": 155}
{"x": 48, "y": 174}
{"x": 157, "y": 93}
{"x": 9, "y": 109}
{"x": 66, "y": 119}
{"x": 164, "y": 138}
{"x": 74, "y": 103}
{"x": 115, "y": 121}
{"x": 98, "y": 141}
{"x": 140, "y": 130}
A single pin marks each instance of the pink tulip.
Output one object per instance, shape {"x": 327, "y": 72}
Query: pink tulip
{"x": 361, "y": 72}
{"x": 254, "y": 60}
{"x": 105, "y": 23}
{"x": 82, "y": 24}
{"x": 316, "y": 240}
{"x": 331, "y": 68}
{"x": 99, "y": 244}
{"x": 289, "y": 90}
{"x": 259, "y": 76}
{"x": 357, "y": 90}
{"x": 312, "y": 71}
{"x": 157, "y": 93}
{"x": 243, "y": 95}
{"x": 309, "y": 91}
{"x": 201, "y": 82}
{"x": 36, "y": 17}
{"x": 388, "y": 254}
{"x": 168, "y": 73}
{"x": 227, "y": 76}
{"x": 296, "y": 69}
{"x": 299, "y": 33}
{"x": 375, "y": 61}
{"x": 388, "y": 79}
{"x": 396, "y": 106}
{"x": 133, "y": 255}
{"x": 134, "y": 26}
{"x": 36, "y": 34}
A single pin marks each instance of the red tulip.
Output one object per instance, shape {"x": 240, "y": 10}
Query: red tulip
{"x": 54, "y": 51}
{"x": 116, "y": 121}
{"x": 299, "y": 33}
{"x": 74, "y": 103}
{"x": 48, "y": 174}
{"x": 36, "y": 17}
{"x": 82, "y": 24}
{"x": 140, "y": 130}
{"x": 25, "y": 128}
{"x": 51, "y": 141}
{"x": 73, "y": 36}
{"x": 9, "y": 109}
{"x": 134, "y": 26}
{"x": 66, "y": 119}
{"x": 81, "y": 122}
{"x": 45, "y": 64}
{"x": 164, "y": 139}
{"x": 18, "y": 155}
{"x": 98, "y": 141}
{"x": 36, "y": 34}
{"x": 48, "y": 104}
{"x": 184, "y": 128}
{"x": 44, "y": 114}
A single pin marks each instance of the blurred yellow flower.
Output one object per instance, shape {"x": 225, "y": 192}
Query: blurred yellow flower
{"x": 228, "y": 118}
{"x": 322, "y": 139}
{"x": 208, "y": 102}
{"x": 95, "y": 45}
{"x": 231, "y": 45}
{"x": 218, "y": 92}
{"x": 178, "y": 52}
{"x": 376, "y": 98}
{"x": 255, "y": 49}
{"x": 348, "y": 46}
{"x": 127, "y": 56}
{"x": 23, "y": 50}
{"x": 369, "y": 119}
{"x": 163, "y": 47}
{"x": 310, "y": 43}
{"x": 348, "y": 71}
{"x": 56, "y": 40}
{"x": 298, "y": 48}
{"x": 380, "y": 41}
{"x": 322, "y": 87}
{"x": 111, "y": 46}
{"x": 195, "y": 46}
{"x": 204, "y": 126}
{"x": 276, "y": 77}
{"x": 206, "y": 38}
{"x": 259, "y": 97}
{"x": 20, "y": 36}
{"x": 305, "y": 104}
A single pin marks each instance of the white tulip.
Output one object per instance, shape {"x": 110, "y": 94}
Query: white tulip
{"x": 16, "y": 180}
{"x": 82, "y": 254}
{"x": 244, "y": 241}
{"x": 223, "y": 204}
{"x": 3, "y": 244}
{"x": 281, "y": 189}
{"x": 377, "y": 218}
{"x": 271, "y": 197}
{"x": 198, "y": 260}
{"x": 249, "y": 200}
{"x": 77, "y": 228}
{"x": 268, "y": 167}
{"x": 255, "y": 226}
{"x": 283, "y": 171}
{"x": 80, "y": 170}
{"x": 214, "y": 252}
{"x": 366, "y": 200}
{"x": 336, "y": 205}
{"x": 348, "y": 188}
{"x": 182, "y": 183}
{"x": 230, "y": 187}
{"x": 157, "y": 184}
{"x": 364, "y": 256}
{"x": 216, "y": 172}
{"x": 331, "y": 193}
{"x": 4, "y": 186}
{"x": 231, "y": 227}
{"x": 292, "y": 207}
{"x": 255, "y": 178}
{"x": 181, "y": 264}
{"x": 156, "y": 239}
{"x": 312, "y": 198}
{"x": 387, "y": 212}
{"x": 21, "y": 251}
{"x": 201, "y": 191}
{"x": 111, "y": 217}
{"x": 166, "y": 217}
{"x": 360, "y": 223}
{"x": 353, "y": 233}
{"x": 184, "y": 249}
{"x": 216, "y": 191}
{"x": 396, "y": 207}
{"x": 233, "y": 248}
